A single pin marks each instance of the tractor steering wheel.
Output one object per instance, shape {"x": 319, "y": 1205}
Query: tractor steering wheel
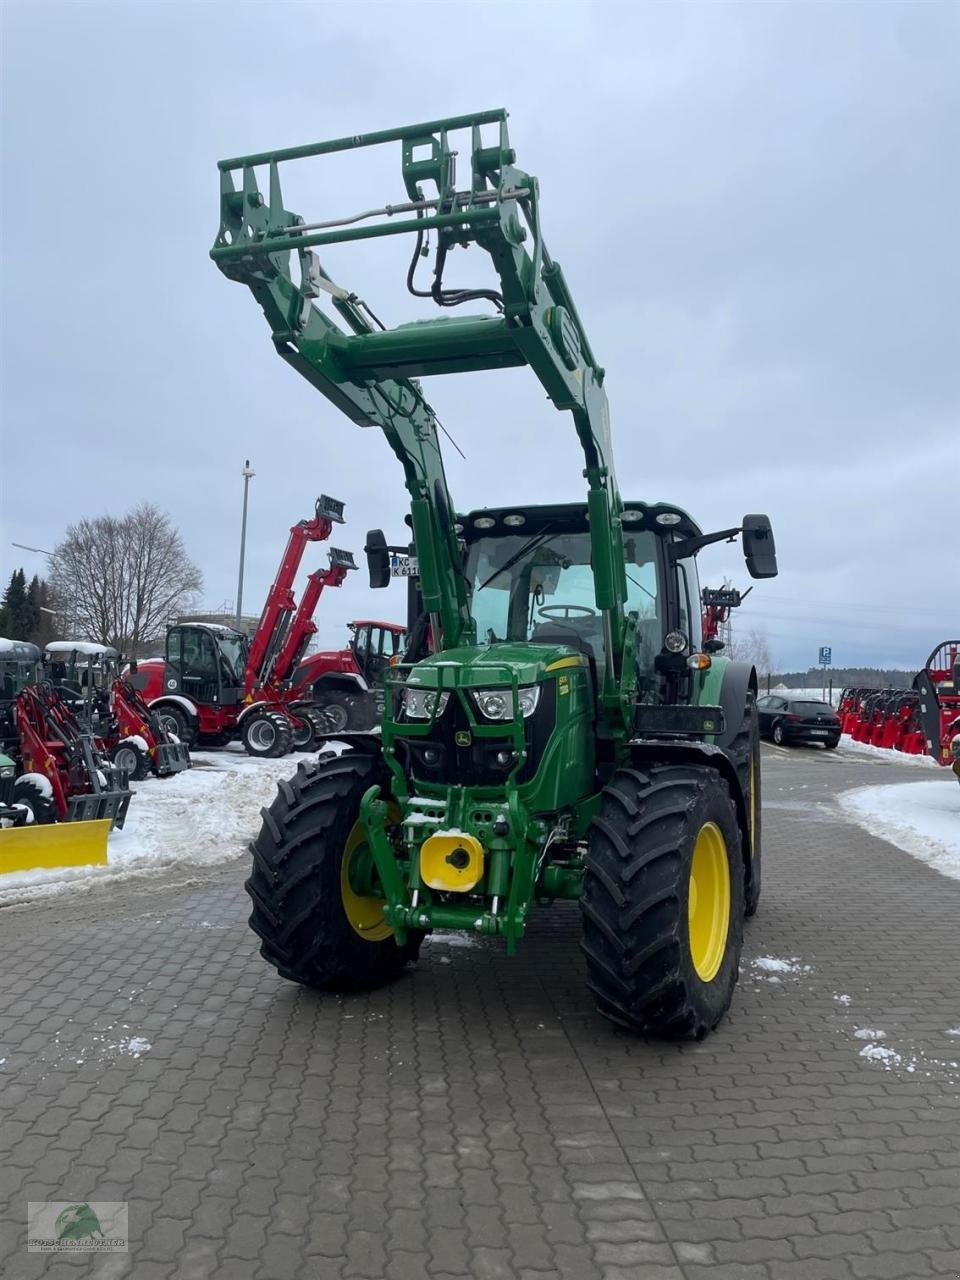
{"x": 552, "y": 611}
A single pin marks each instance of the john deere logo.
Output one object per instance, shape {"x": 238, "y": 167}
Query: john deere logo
{"x": 463, "y": 738}
{"x": 77, "y": 1222}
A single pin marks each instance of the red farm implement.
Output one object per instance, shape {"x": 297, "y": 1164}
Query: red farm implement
{"x": 62, "y": 773}
{"x": 938, "y": 688}
{"x": 90, "y": 678}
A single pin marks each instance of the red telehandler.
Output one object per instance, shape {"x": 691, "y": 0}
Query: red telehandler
{"x": 214, "y": 685}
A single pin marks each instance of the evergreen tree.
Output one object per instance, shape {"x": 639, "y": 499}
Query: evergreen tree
{"x": 15, "y": 610}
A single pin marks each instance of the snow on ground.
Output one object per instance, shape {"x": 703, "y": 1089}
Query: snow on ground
{"x": 204, "y": 815}
{"x": 922, "y": 818}
{"x": 849, "y": 747}
{"x": 773, "y": 964}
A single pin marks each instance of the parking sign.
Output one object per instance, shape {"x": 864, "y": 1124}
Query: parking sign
{"x": 826, "y": 655}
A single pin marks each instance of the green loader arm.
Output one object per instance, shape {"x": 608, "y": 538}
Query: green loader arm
{"x": 371, "y": 373}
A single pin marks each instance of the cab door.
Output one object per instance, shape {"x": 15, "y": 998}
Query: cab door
{"x": 192, "y": 662}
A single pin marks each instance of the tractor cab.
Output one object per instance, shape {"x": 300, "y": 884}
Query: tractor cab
{"x": 82, "y": 671}
{"x": 20, "y": 665}
{"x": 205, "y": 662}
{"x": 375, "y": 646}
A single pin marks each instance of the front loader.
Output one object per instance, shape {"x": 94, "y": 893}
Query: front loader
{"x": 563, "y": 735}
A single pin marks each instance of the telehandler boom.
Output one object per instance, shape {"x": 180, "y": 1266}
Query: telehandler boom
{"x": 579, "y": 748}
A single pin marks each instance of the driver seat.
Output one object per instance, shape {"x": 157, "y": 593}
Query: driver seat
{"x": 573, "y": 638}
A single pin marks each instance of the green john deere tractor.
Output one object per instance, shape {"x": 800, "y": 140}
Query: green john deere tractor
{"x": 558, "y": 731}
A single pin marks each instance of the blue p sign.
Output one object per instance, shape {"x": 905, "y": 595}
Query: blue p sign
{"x": 826, "y": 655}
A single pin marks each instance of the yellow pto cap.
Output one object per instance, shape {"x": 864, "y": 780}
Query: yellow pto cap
{"x": 452, "y": 861}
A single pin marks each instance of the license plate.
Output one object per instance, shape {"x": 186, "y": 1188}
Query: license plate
{"x": 820, "y": 733}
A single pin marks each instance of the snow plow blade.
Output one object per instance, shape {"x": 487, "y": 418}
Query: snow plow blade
{"x": 54, "y": 844}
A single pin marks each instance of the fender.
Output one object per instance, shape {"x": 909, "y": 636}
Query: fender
{"x": 702, "y": 754}
{"x": 344, "y": 680}
{"x": 739, "y": 679}
{"x": 185, "y": 703}
{"x": 264, "y": 706}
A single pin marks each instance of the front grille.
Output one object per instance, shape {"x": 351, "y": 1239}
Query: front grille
{"x": 476, "y": 763}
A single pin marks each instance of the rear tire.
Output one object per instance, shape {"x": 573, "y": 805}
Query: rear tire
{"x": 298, "y": 883}
{"x": 174, "y": 720}
{"x": 663, "y": 956}
{"x": 744, "y": 751}
{"x": 777, "y": 734}
{"x": 266, "y": 734}
{"x": 129, "y": 757}
{"x": 309, "y": 730}
{"x": 29, "y": 796}
{"x": 336, "y": 711}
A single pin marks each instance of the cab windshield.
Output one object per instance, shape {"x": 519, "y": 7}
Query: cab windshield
{"x": 234, "y": 652}
{"x": 540, "y": 587}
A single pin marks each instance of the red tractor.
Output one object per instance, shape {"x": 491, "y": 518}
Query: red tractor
{"x": 89, "y": 676}
{"x": 938, "y": 686}
{"x": 347, "y": 683}
{"x": 214, "y": 685}
{"x": 62, "y": 774}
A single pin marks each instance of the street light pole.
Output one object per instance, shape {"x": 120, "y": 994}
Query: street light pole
{"x": 247, "y": 477}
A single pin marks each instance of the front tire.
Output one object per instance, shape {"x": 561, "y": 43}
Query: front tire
{"x": 27, "y": 795}
{"x": 174, "y": 721}
{"x": 129, "y": 757}
{"x": 314, "y": 927}
{"x": 777, "y": 734}
{"x": 266, "y": 734}
{"x": 663, "y": 901}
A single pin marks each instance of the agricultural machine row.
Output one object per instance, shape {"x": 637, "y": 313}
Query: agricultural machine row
{"x": 557, "y": 729}
{"x": 924, "y": 720}
{"x": 55, "y": 769}
{"x": 215, "y": 685}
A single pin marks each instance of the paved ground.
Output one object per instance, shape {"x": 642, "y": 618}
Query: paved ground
{"x": 477, "y": 1119}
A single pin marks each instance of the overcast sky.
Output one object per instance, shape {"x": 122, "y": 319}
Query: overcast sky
{"x": 756, "y": 207}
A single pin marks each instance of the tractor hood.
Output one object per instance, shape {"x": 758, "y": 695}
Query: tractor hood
{"x": 475, "y": 667}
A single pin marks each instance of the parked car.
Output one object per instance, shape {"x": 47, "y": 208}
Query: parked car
{"x": 798, "y": 719}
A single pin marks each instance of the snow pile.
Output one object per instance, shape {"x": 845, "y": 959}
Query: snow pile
{"x": 880, "y": 1053}
{"x": 200, "y": 816}
{"x": 922, "y": 818}
{"x": 850, "y": 747}
{"x": 773, "y": 964}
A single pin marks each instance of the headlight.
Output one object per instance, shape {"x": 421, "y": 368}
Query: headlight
{"x": 674, "y": 641}
{"x": 423, "y": 704}
{"x": 497, "y": 704}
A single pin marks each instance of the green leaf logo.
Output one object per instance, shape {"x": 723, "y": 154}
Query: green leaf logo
{"x": 77, "y": 1222}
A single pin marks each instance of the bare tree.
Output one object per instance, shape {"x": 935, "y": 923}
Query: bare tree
{"x": 118, "y": 579}
{"x": 751, "y": 647}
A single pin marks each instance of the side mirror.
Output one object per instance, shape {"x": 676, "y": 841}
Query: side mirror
{"x": 759, "y": 548}
{"x": 713, "y": 646}
{"x": 378, "y": 559}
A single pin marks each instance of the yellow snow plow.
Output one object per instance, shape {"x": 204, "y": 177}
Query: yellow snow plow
{"x": 53, "y": 844}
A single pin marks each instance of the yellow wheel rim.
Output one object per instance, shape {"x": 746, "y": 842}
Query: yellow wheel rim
{"x": 709, "y": 901}
{"x": 365, "y": 914}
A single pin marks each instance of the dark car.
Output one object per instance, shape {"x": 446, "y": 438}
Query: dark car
{"x": 797, "y": 719}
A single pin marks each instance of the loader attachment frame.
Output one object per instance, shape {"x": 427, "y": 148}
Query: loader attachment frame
{"x": 371, "y": 372}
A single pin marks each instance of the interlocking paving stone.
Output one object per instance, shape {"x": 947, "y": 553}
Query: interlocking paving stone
{"x": 477, "y": 1119}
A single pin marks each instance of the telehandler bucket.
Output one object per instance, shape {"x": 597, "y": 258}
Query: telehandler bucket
{"x": 53, "y": 844}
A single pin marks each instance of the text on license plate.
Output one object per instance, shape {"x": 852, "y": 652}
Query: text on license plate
{"x": 820, "y": 733}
